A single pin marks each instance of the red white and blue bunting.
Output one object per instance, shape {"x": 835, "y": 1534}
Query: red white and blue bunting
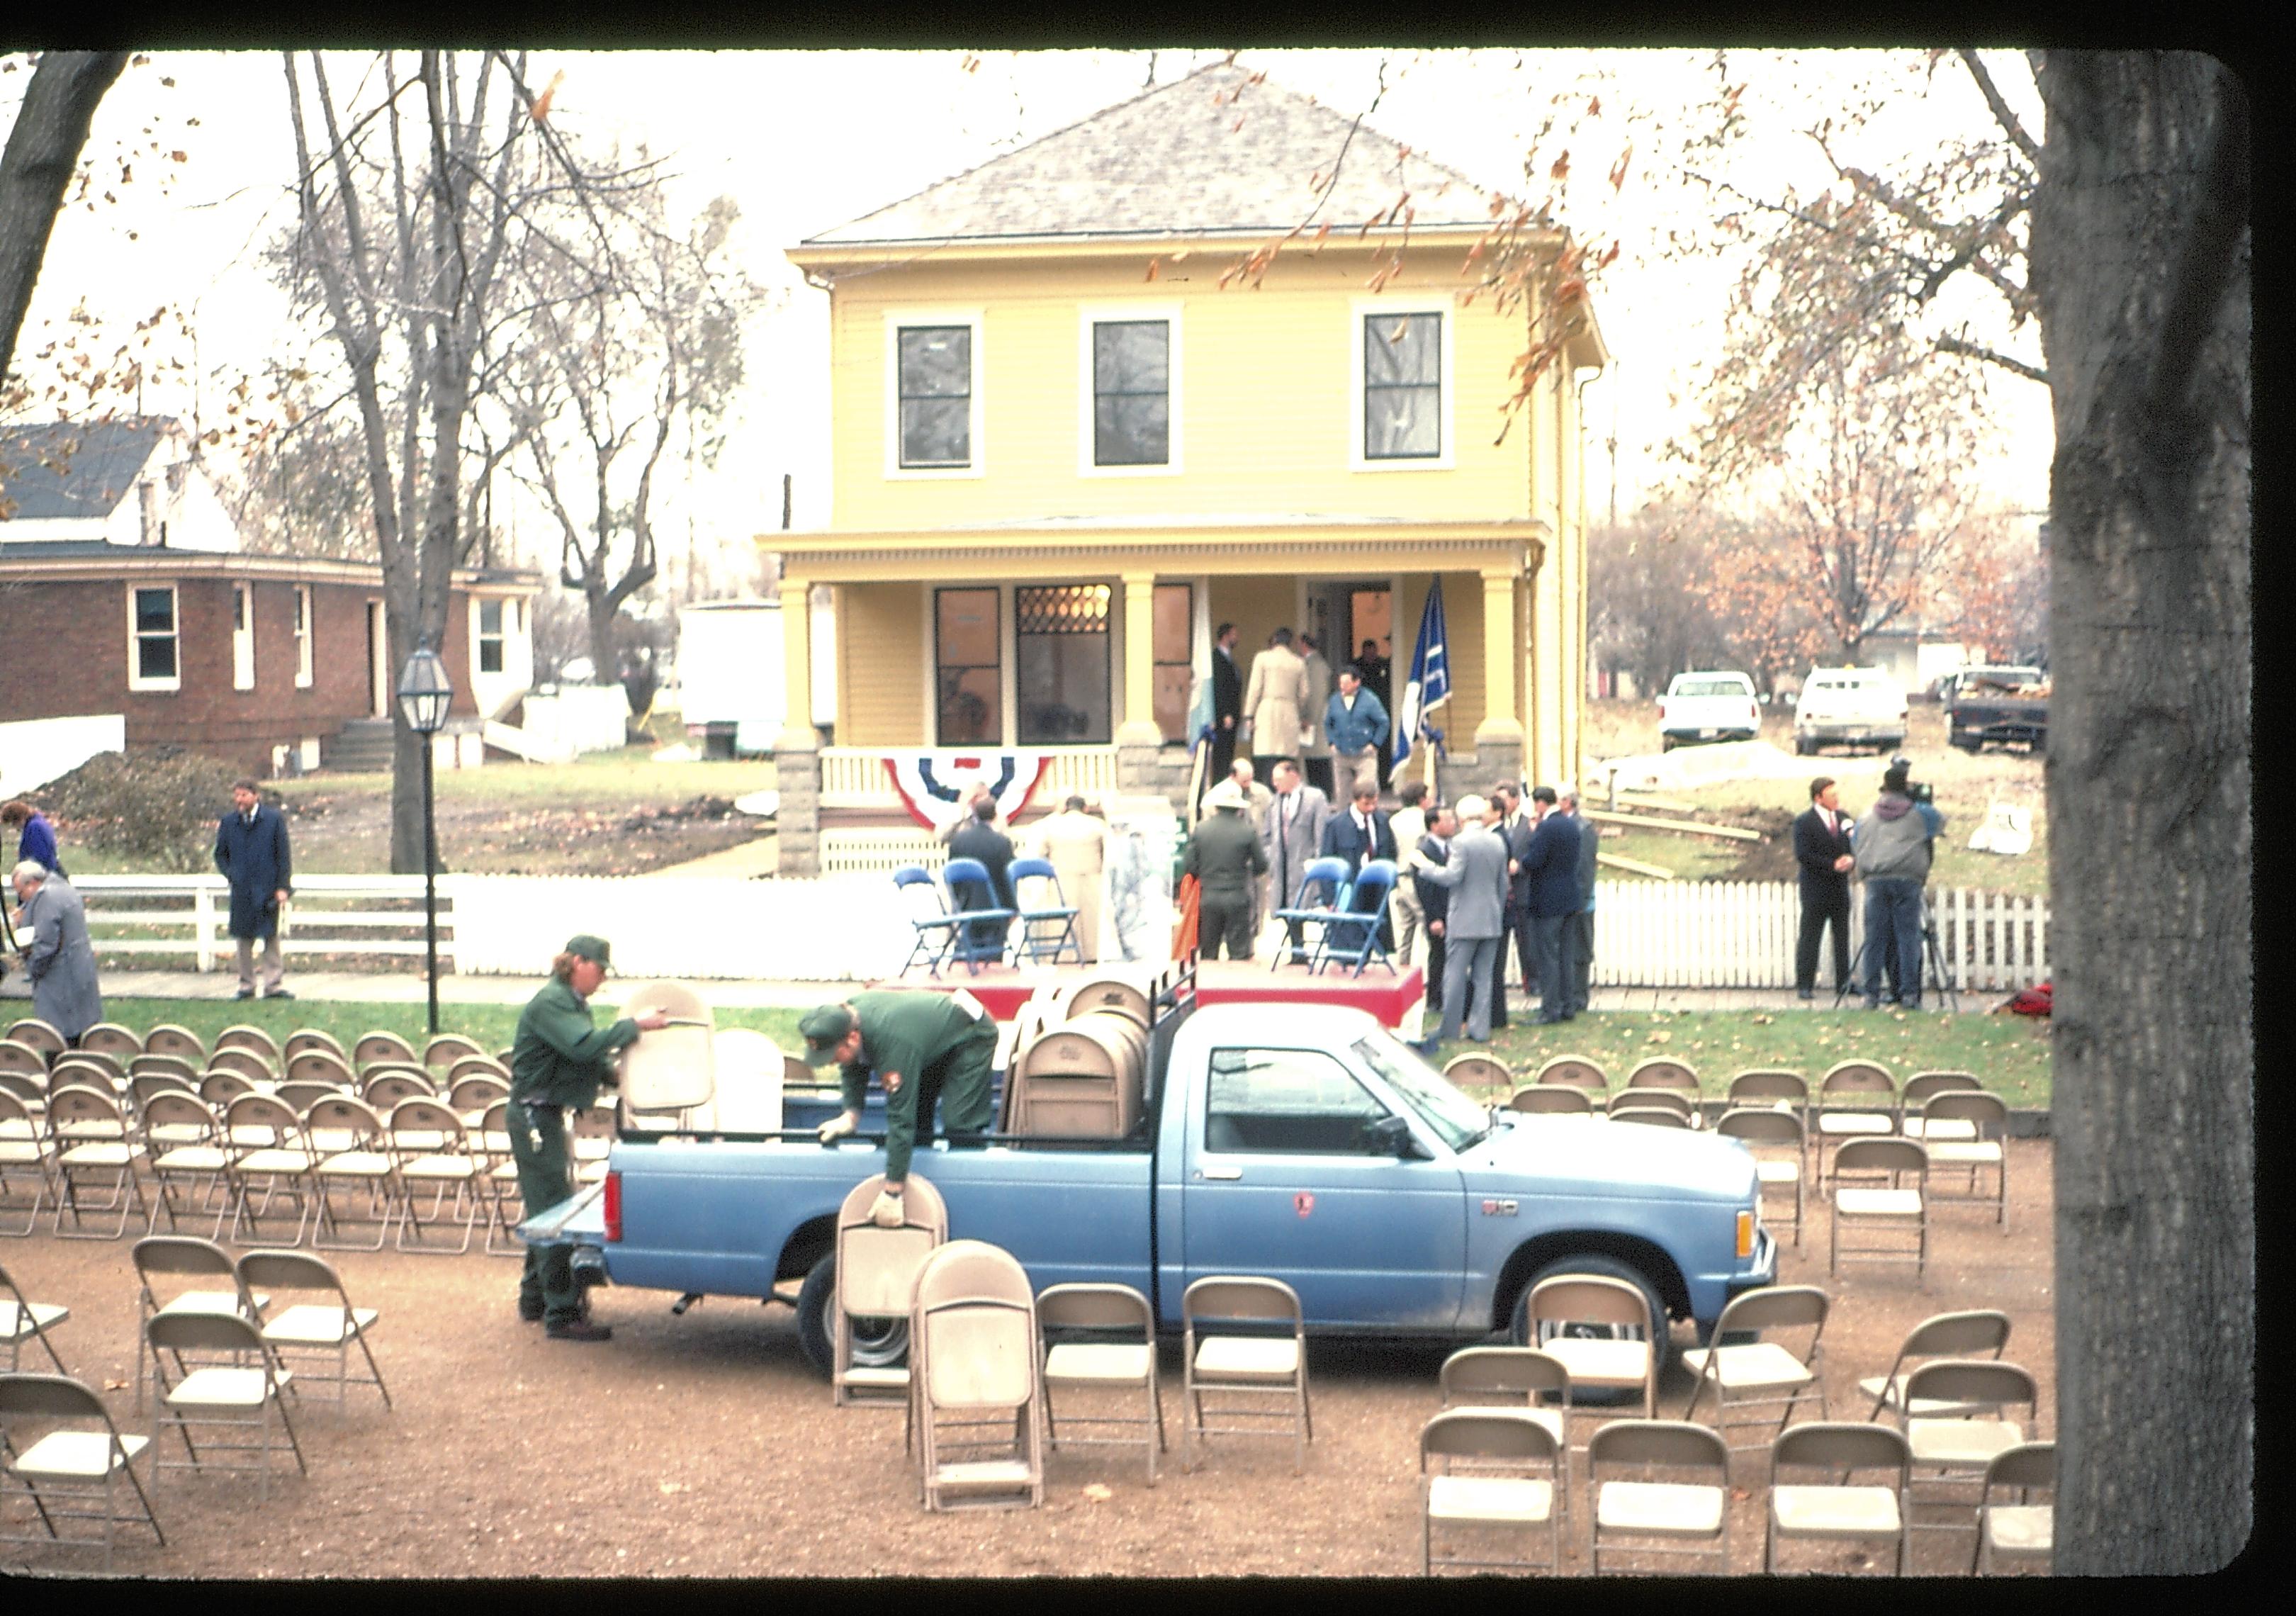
{"x": 934, "y": 785}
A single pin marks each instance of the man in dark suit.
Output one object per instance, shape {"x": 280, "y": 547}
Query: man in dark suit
{"x": 1550, "y": 865}
{"x": 1227, "y": 701}
{"x": 1292, "y": 834}
{"x": 1821, "y": 849}
{"x": 980, "y": 839}
{"x": 1513, "y": 827}
{"x": 1360, "y": 834}
{"x": 1434, "y": 850}
{"x": 1581, "y": 928}
{"x": 250, "y": 849}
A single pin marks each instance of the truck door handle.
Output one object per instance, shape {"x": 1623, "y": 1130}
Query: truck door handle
{"x": 1219, "y": 1171}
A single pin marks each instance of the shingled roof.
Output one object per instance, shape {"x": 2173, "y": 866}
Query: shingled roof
{"x": 1212, "y": 154}
{"x": 74, "y": 469}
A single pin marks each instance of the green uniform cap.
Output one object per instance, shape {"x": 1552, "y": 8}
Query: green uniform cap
{"x": 825, "y": 1028}
{"x": 591, "y": 948}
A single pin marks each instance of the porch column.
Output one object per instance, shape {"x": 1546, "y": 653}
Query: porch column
{"x": 797, "y": 750}
{"x": 1137, "y": 738}
{"x": 1498, "y": 738}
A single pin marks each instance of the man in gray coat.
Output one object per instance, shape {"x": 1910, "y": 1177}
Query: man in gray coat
{"x": 1476, "y": 875}
{"x": 59, "y": 961}
{"x": 1291, "y": 838}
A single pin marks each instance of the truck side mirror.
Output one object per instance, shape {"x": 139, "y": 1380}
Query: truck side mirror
{"x": 1392, "y": 1136}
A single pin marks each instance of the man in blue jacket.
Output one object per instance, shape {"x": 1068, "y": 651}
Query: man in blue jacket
{"x": 1354, "y": 724}
{"x": 250, "y": 849}
{"x": 1550, "y": 872}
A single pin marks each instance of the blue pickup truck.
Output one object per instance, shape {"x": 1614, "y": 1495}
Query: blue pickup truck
{"x": 1304, "y": 1143}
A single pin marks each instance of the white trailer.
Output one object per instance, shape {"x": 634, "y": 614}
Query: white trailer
{"x": 729, "y": 674}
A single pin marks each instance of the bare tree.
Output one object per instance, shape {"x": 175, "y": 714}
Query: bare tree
{"x": 2141, "y": 269}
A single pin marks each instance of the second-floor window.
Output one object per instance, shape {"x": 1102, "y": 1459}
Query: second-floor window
{"x": 1402, "y": 386}
{"x": 934, "y": 379}
{"x": 1131, "y": 392}
{"x": 490, "y": 637}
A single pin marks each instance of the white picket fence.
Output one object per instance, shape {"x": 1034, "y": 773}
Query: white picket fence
{"x": 848, "y": 925}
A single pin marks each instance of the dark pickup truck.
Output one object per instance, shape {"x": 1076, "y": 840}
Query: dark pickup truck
{"x": 2004, "y": 705}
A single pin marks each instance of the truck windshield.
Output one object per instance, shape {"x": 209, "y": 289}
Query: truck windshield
{"x": 1455, "y": 1118}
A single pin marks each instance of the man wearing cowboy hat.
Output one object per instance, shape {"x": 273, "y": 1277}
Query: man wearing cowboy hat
{"x": 921, "y": 1044}
{"x": 1224, "y": 855}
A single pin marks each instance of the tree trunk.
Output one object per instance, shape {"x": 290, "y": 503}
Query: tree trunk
{"x": 44, "y": 147}
{"x": 2141, "y": 261}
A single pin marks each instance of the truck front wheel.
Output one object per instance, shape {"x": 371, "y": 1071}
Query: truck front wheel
{"x": 877, "y": 1342}
{"x": 1608, "y": 1268}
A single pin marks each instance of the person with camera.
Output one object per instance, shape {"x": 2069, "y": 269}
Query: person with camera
{"x": 557, "y": 1061}
{"x": 1890, "y": 854}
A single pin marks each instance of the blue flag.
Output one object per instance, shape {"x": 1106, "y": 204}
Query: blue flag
{"x": 1430, "y": 683}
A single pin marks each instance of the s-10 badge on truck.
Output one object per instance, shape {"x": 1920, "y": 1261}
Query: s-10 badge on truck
{"x": 1498, "y": 1208}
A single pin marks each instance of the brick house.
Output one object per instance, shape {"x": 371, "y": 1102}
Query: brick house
{"x": 123, "y": 592}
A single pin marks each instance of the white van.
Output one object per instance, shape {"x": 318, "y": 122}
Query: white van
{"x": 1849, "y": 707}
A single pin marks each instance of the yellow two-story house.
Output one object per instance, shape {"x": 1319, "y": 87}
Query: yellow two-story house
{"x": 1065, "y": 452}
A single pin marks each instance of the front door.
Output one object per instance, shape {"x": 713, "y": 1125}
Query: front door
{"x": 1287, "y": 1177}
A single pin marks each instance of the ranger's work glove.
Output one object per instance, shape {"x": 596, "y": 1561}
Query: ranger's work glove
{"x": 843, "y": 1123}
{"x": 885, "y": 1211}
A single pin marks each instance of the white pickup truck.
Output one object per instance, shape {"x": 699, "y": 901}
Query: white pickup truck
{"x": 1708, "y": 707}
{"x": 1848, "y": 707}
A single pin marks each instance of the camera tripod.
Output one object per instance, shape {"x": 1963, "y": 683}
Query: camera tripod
{"x": 1934, "y": 973}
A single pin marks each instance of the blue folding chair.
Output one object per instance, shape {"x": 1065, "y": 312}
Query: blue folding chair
{"x": 937, "y": 933}
{"x": 1330, "y": 873}
{"x": 1044, "y": 931}
{"x": 982, "y": 923}
{"x": 1351, "y": 935}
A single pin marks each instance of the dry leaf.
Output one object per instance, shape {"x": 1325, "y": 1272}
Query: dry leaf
{"x": 1660, "y": 1037}
{"x": 1098, "y": 1492}
{"x": 675, "y": 1487}
{"x": 115, "y": 1385}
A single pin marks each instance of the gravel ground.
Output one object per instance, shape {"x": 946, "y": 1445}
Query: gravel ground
{"x": 702, "y": 1446}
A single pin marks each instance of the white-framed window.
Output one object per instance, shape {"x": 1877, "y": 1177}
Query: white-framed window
{"x": 1128, "y": 390}
{"x": 1401, "y": 396}
{"x": 242, "y": 637}
{"x": 302, "y": 636}
{"x": 933, "y": 402}
{"x": 153, "y": 653}
{"x": 489, "y": 658}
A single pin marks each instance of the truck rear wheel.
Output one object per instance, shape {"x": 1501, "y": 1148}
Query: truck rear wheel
{"x": 1609, "y": 1268}
{"x": 877, "y": 1342}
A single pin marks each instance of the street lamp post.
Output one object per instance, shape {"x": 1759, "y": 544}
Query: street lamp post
{"x": 424, "y": 695}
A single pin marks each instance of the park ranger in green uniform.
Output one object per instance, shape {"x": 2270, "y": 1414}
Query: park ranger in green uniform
{"x": 921, "y": 1044}
{"x": 557, "y": 1061}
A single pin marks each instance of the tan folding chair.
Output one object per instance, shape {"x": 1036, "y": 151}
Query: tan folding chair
{"x": 876, "y": 1282}
{"x": 177, "y": 1274}
{"x": 1673, "y": 1496}
{"x": 2023, "y": 1533}
{"x": 1470, "y": 1071}
{"x": 383, "y": 1090}
{"x": 1939, "y": 1336}
{"x": 312, "y": 1037}
{"x": 1768, "y": 1133}
{"x": 472, "y": 1093}
{"x": 351, "y": 1147}
{"x": 1257, "y": 1349}
{"x": 1889, "y": 1210}
{"x": 432, "y": 1149}
{"x": 1761, "y": 1373}
{"x": 499, "y": 1181}
{"x": 34, "y": 1033}
{"x": 245, "y": 1036}
{"x": 112, "y": 1038}
{"x": 246, "y": 1063}
{"x": 71, "y": 1471}
{"x": 240, "y": 1395}
{"x": 1922, "y": 1087}
{"x": 168, "y": 1039}
{"x": 590, "y": 1133}
{"x": 1576, "y": 1070}
{"x": 378, "y": 1046}
{"x": 1506, "y": 1447}
{"x": 1663, "y": 1071}
{"x": 306, "y": 1331}
{"x": 167, "y": 1065}
{"x": 269, "y": 1153}
{"x": 441, "y": 1053}
{"x": 28, "y": 1155}
{"x": 23, "y": 1319}
{"x": 98, "y": 1070}
{"x": 1513, "y": 1380}
{"x": 1656, "y": 1116}
{"x": 1773, "y": 1088}
{"x": 481, "y": 1065}
{"x": 1100, "y": 1339}
{"x": 1987, "y": 1117}
{"x": 95, "y": 1150}
{"x": 184, "y": 1142}
{"x": 17, "y": 1056}
{"x": 973, "y": 1346}
{"x": 1551, "y": 1100}
{"x": 220, "y": 1088}
{"x": 321, "y": 1066}
{"x": 1999, "y": 1409}
{"x": 1614, "y": 1363}
{"x": 1839, "y": 1508}
{"x": 1855, "y": 1100}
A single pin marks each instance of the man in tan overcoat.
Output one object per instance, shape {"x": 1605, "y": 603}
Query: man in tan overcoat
{"x": 1077, "y": 842}
{"x": 1275, "y": 702}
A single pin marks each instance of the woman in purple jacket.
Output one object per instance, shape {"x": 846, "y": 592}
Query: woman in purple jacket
{"x": 35, "y": 838}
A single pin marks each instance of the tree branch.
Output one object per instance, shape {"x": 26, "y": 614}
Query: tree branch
{"x": 2002, "y": 114}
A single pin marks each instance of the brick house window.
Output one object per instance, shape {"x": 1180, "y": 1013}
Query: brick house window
{"x": 152, "y": 663}
{"x": 242, "y": 637}
{"x": 302, "y": 636}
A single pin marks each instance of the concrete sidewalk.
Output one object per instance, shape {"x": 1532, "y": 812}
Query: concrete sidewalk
{"x": 410, "y": 989}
